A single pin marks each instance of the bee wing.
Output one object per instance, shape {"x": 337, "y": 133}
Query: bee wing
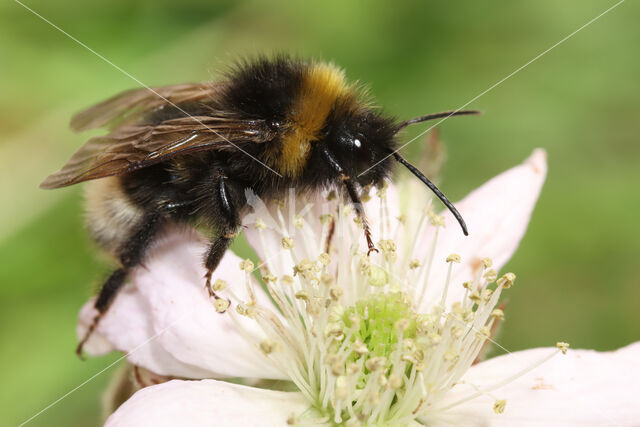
{"x": 130, "y": 105}
{"x": 131, "y": 147}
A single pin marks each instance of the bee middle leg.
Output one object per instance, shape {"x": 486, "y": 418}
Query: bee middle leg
{"x": 130, "y": 255}
{"x": 228, "y": 196}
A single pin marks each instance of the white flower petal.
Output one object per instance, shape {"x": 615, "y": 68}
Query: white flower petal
{"x": 207, "y": 403}
{"x": 127, "y": 327}
{"x": 497, "y": 215}
{"x": 583, "y": 387}
{"x": 167, "y": 323}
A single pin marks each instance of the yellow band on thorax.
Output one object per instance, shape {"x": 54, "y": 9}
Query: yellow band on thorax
{"x": 322, "y": 84}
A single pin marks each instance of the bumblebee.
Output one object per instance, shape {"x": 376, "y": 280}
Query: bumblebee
{"x": 186, "y": 153}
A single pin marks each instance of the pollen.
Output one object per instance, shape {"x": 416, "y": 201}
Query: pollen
{"x": 221, "y": 305}
{"x": 287, "y": 280}
{"x": 247, "y": 265}
{"x": 324, "y": 259}
{"x": 306, "y": 268}
{"x": 563, "y": 346}
{"x": 287, "y": 242}
{"x": 497, "y": 314}
{"x": 435, "y": 220}
{"x": 326, "y": 218}
{"x": 507, "y": 280}
{"x": 388, "y": 248}
{"x": 268, "y": 346}
{"x": 454, "y": 258}
{"x": 269, "y": 278}
{"x": 490, "y": 276}
{"x": 499, "y": 406}
{"x": 219, "y": 285}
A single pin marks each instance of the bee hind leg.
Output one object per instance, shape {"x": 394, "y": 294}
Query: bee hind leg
{"x": 107, "y": 294}
{"x": 131, "y": 255}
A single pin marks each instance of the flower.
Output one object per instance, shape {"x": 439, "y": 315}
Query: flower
{"x": 389, "y": 338}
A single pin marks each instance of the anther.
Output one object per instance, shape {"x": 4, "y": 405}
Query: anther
{"x": 335, "y": 293}
{"x": 221, "y": 305}
{"x": 268, "y": 346}
{"x": 395, "y": 382}
{"x": 287, "y": 242}
{"x": 269, "y": 278}
{"x": 326, "y": 218}
{"x": 247, "y": 265}
{"x": 507, "y": 280}
{"x": 490, "y": 275}
{"x": 499, "y": 405}
{"x": 497, "y": 314}
{"x": 360, "y": 348}
{"x": 286, "y": 280}
{"x": 563, "y": 346}
{"x": 454, "y": 258}
{"x": 324, "y": 259}
{"x": 219, "y": 285}
{"x": 375, "y": 363}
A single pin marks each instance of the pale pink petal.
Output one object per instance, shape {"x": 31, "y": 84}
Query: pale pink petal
{"x": 207, "y": 403}
{"x": 167, "y": 323}
{"x": 583, "y": 387}
{"x": 127, "y": 327}
{"x": 97, "y": 344}
{"x": 497, "y": 215}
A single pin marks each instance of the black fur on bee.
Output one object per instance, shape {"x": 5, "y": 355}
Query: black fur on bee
{"x": 185, "y": 154}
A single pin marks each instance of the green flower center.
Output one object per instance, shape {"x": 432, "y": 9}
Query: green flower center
{"x": 381, "y": 318}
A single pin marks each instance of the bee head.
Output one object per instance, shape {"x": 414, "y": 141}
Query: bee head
{"x": 360, "y": 148}
{"x": 361, "y": 143}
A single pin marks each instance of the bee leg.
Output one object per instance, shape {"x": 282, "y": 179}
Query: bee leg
{"x": 217, "y": 249}
{"x": 130, "y": 256}
{"x": 357, "y": 204}
{"x": 353, "y": 195}
{"x": 229, "y": 222}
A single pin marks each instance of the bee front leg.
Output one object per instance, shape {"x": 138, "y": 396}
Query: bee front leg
{"x": 228, "y": 221}
{"x": 130, "y": 255}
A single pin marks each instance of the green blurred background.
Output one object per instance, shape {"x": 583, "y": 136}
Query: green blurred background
{"x": 578, "y": 270}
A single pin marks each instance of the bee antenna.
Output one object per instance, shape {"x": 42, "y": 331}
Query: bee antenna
{"x": 435, "y": 190}
{"x": 444, "y": 114}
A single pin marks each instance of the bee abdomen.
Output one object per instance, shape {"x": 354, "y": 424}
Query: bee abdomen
{"x": 111, "y": 216}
